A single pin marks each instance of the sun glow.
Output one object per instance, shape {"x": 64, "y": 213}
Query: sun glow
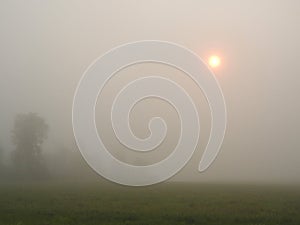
{"x": 214, "y": 61}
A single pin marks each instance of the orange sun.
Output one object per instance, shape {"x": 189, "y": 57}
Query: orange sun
{"x": 214, "y": 61}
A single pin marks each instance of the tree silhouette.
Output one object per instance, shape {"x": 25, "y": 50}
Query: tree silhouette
{"x": 1, "y": 161}
{"x": 28, "y": 135}
{"x": 1, "y": 155}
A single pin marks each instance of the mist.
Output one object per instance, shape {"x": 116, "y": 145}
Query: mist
{"x": 47, "y": 45}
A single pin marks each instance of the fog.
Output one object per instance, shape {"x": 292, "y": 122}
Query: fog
{"x": 47, "y": 45}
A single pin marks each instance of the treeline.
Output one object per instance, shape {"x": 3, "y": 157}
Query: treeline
{"x": 28, "y": 159}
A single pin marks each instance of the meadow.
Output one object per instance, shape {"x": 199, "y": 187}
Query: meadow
{"x": 66, "y": 203}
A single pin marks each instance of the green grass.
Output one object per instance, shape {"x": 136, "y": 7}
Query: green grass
{"x": 169, "y": 203}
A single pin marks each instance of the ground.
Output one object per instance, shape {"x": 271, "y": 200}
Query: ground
{"x": 45, "y": 203}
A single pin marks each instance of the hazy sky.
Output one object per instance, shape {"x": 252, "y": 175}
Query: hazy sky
{"x": 45, "y": 46}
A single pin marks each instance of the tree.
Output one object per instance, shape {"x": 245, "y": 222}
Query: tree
{"x": 1, "y": 156}
{"x": 28, "y": 134}
{"x": 1, "y": 161}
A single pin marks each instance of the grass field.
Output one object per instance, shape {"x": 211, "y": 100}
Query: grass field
{"x": 168, "y": 203}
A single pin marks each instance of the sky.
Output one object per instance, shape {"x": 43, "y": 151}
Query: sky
{"x": 45, "y": 46}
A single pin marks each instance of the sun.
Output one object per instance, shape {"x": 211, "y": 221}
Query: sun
{"x": 214, "y": 61}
